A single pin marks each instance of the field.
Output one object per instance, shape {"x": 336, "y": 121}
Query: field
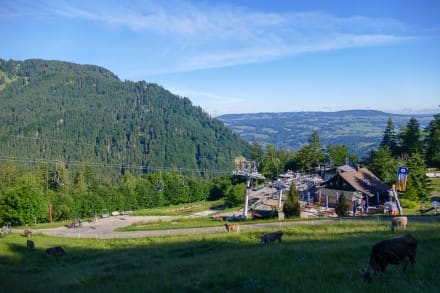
{"x": 319, "y": 258}
{"x": 435, "y": 184}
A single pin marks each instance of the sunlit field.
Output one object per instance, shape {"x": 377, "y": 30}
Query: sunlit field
{"x": 321, "y": 258}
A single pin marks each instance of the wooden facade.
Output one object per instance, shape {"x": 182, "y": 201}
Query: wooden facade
{"x": 356, "y": 184}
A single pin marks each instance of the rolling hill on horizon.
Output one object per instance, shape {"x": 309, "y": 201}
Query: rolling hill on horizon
{"x": 359, "y": 130}
{"x": 54, "y": 110}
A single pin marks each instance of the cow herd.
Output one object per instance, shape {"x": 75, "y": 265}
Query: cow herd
{"x": 52, "y": 251}
{"x": 395, "y": 251}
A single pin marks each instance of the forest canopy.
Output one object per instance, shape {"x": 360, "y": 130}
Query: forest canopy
{"x": 60, "y": 111}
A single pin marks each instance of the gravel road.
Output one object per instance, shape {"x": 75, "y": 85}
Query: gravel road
{"x": 104, "y": 228}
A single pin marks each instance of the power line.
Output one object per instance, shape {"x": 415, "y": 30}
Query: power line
{"x": 112, "y": 165}
{"x": 102, "y": 165}
{"x": 49, "y": 139}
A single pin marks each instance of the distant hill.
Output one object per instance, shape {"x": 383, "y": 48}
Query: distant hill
{"x": 53, "y": 110}
{"x": 360, "y": 130}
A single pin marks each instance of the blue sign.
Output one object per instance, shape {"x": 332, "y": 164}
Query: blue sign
{"x": 403, "y": 171}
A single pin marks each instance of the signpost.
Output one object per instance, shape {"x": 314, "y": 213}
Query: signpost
{"x": 402, "y": 177}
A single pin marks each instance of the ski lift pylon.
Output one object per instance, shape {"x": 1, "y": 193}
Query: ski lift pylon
{"x": 182, "y": 179}
{"x": 160, "y": 185}
{"x": 56, "y": 177}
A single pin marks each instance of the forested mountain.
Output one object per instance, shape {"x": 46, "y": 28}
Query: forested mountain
{"x": 359, "y": 130}
{"x": 52, "y": 110}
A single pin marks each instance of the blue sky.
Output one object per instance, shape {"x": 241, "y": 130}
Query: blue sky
{"x": 246, "y": 56}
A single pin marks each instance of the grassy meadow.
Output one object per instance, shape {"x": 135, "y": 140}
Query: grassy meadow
{"x": 435, "y": 184}
{"x": 319, "y": 258}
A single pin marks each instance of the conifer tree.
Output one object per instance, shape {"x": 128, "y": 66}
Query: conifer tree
{"x": 411, "y": 138}
{"x": 291, "y": 207}
{"x": 383, "y": 164}
{"x": 432, "y": 142}
{"x": 418, "y": 186}
{"x": 342, "y": 206}
{"x": 389, "y": 138}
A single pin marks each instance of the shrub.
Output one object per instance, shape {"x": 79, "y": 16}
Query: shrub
{"x": 409, "y": 204}
{"x": 235, "y": 195}
{"x": 291, "y": 207}
{"x": 342, "y": 206}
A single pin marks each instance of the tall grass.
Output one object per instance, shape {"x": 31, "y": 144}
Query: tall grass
{"x": 435, "y": 184}
{"x": 320, "y": 258}
{"x": 181, "y": 209}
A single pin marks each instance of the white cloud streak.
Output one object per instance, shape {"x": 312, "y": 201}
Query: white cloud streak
{"x": 197, "y": 36}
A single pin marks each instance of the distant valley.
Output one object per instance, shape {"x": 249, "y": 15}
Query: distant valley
{"x": 360, "y": 130}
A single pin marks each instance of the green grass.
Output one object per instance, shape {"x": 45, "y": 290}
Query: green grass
{"x": 188, "y": 223}
{"x": 320, "y": 258}
{"x": 182, "y": 209}
{"x": 175, "y": 224}
{"x": 435, "y": 183}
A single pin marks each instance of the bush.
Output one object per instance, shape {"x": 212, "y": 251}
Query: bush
{"x": 409, "y": 204}
{"x": 342, "y": 206}
{"x": 235, "y": 195}
{"x": 291, "y": 207}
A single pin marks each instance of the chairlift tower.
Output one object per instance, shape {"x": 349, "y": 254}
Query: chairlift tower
{"x": 280, "y": 187}
{"x": 247, "y": 169}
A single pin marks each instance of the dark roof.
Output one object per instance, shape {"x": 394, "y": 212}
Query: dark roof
{"x": 364, "y": 181}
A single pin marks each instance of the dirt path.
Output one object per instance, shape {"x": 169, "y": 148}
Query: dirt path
{"x": 104, "y": 228}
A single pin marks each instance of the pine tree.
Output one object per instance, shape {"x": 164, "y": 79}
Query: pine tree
{"x": 256, "y": 151}
{"x": 411, "y": 138}
{"x": 342, "y": 206}
{"x": 311, "y": 154}
{"x": 418, "y": 186}
{"x": 291, "y": 207}
{"x": 383, "y": 165}
{"x": 432, "y": 142}
{"x": 389, "y": 138}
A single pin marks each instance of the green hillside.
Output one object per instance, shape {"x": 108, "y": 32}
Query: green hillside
{"x": 52, "y": 110}
{"x": 360, "y": 130}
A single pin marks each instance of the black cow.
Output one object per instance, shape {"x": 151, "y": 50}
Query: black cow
{"x": 30, "y": 244}
{"x": 391, "y": 251}
{"x": 271, "y": 237}
{"x": 55, "y": 251}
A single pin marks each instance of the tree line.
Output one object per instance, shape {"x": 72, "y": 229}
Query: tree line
{"x": 28, "y": 194}
{"x": 27, "y": 191}
{"x": 411, "y": 146}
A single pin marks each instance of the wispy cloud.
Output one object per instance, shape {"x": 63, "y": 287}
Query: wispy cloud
{"x": 197, "y": 36}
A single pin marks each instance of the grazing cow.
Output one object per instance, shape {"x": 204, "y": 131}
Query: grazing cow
{"x": 232, "y": 227}
{"x": 27, "y": 232}
{"x": 55, "y": 251}
{"x": 391, "y": 251}
{"x": 399, "y": 222}
{"x": 271, "y": 237}
{"x": 217, "y": 218}
{"x": 30, "y": 244}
